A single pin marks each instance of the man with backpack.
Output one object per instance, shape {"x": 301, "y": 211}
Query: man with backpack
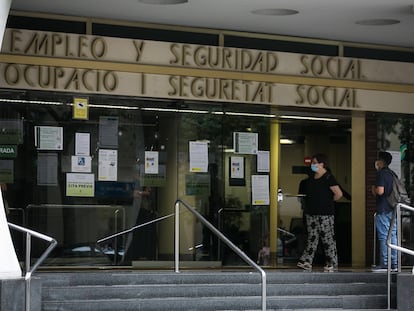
{"x": 381, "y": 190}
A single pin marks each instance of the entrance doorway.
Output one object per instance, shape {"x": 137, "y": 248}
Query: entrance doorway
{"x": 304, "y": 134}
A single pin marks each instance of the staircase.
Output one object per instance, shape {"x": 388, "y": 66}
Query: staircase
{"x": 211, "y": 290}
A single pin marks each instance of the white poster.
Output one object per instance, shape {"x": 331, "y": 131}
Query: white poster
{"x": 108, "y": 165}
{"x": 151, "y": 162}
{"x": 82, "y": 144}
{"x": 81, "y": 164}
{"x": 237, "y": 167}
{"x": 263, "y": 161}
{"x": 48, "y": 137}
{"x": 260, "y": 190}
{"x": 198, "y": 156}
{"x": 246, "y": 143}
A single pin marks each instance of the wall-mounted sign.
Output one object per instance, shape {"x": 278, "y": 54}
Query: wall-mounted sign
{"x": 245, "y": 143}
{"x": 198, "y": 156}
{"x": 80, "y": 185}
{"x": 8, "y": 151}
{"x": 260, "y": 190}
{"x": 6, "y": 171}
{"x": 80, "y": 109}
{"x": 48, "y": 137}
{"x": 11, "y": 132}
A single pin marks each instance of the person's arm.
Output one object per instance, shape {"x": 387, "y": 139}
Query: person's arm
{"x": 337, "y": 192}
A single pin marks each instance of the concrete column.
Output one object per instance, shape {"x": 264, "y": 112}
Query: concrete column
{"x": 4, "y": 13}
{"x": 9, "y": 265}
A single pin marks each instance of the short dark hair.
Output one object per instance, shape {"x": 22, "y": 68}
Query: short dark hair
{"x": 321, "y": 158}
{"x": 385, "y": 157}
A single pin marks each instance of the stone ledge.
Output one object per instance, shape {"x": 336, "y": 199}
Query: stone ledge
{"x": 12, "y": 294}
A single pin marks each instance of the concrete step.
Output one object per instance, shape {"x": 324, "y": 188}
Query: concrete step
{"x": 206, "y": 290}
{"x": 210, "y": 290}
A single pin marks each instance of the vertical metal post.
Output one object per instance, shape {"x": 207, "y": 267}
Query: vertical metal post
{"x": 116, "y": 239}
{"x": 27, "y": 280}
{"x": 375, "y": 241}
{"x": 177, "y": 237}
{"x": 399, "y": 235}
{"x": 220, "y": 227}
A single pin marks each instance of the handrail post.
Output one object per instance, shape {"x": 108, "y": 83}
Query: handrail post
{"x": 221, "y": 236}
{"x": 375, "y": 241}
{"x": 399, "y": 236}
{"x": 116, "y": 239}
{"x": 177, "y": 237}
{"x": 220, "y": 227}
{"x": 30, "y": 270}
{"x": 396, "y": 214}
{"x": 27, "y": 279}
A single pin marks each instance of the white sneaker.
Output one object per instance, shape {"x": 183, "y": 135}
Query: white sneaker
{"x": 304, "y": 265}
{"x": 379, "y": 269}
{"x": 329, "y": 268}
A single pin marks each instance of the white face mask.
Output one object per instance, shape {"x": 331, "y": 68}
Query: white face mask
{"x": 376, "y": 165}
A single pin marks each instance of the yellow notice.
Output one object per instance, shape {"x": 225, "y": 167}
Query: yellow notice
{"x": 80, "y": 109}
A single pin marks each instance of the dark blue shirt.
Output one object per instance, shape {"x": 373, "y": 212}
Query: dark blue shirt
{"x": 383, "y": 179}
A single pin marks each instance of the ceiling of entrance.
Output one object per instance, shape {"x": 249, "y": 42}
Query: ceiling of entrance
{"x": 381, "y": 22}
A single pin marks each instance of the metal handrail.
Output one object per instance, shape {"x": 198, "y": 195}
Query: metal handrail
{"x": 115, "y": 235}
{"x": 221, "y": 236}
{"x": 30, "y": 270}
{"x": 117, "y": 209}
{"x": 396, "y": 215}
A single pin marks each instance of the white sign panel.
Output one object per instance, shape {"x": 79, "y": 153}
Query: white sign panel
{"x": 108, "y": 165}
{"x": 260, "y": 190}
{"x": 151, "y": 162}
{"x": 48, "y": 137}
{"x": 198, "y": 156}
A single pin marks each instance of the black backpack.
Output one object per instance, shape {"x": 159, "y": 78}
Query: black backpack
{"x": 399, "y": 193}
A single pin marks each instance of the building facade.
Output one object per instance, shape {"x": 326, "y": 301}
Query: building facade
{"x": 104, "y": 125}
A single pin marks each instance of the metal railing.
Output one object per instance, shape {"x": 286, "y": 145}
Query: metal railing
{"x": 396, "y": 219}
{"x": 115, "y": 235}
{"x": 114, "y": 211}
{"x": 205, "y": 222}
{"x": 28, "y": 269}
{"x": 221, "y": 236}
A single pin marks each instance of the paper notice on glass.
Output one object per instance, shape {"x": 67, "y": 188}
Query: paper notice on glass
{"x": 48, "y": 137}
{"x": 80, "y": 185}
{"x": 108, "y": 132}
{"x": 237, "y": 167}
{"x": 81, "y": 164}
{"x": 263, "y": 161}
{"x": 6, "y": 171}
{"x": 260, "y": 190}
{"x": 80, "y": 108}
{"x": 246, "y": 143}
{"x": 151, "y": 162}
{"x": 82, "y": 144}
{"x": 47, "y": 168}
{"x": 198, "y": 156}
{"x": 108, "y": 165}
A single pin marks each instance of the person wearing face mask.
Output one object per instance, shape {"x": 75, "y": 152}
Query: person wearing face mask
{"x": 322, "y": 190}
{"x": 381, "y": 190}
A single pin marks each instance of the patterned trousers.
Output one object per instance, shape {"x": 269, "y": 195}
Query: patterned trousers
{"x": 320, "y": 226}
